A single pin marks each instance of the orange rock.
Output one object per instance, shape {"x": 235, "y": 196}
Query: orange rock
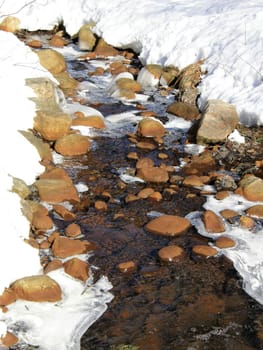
{"x": 145, "y": 145}
{"x": 171, "y": 253}
{"x": 225, "y": 242}
{"x": 91, "y": 121}
{"x": 184, "y": 110}
{"x": 127, "y": 266}
{"x": 204, "y": 250}
{"x": 255, "y": 211}
{"x": 153, "y": 174}
{"x": 193, "y": 180}
{"x": 41, "y": 222}
{"x": 56, "y": 174}
{"x": 131, "y": 198}
{"x": 64, "y": 212}
{"x": 53, "y": 236}
{"x": 148, "y": 114}
{"x": 145, "y": 193}
{"x": 103, "y": 49}
{"x": 228, "y": 213}
{"x": 100, "y": 205}
{"x": 7, "y": 297}
{"x": 150, "y": 127}
{"x": 144, "y": 163}
{"x": 64, "y": 247}
{"x": 162, "y": 155}
{"x": 252, "y": 188}
{"x": 44, "y": 244}
{"x": 53, "y": 265}
{"x": 9, "y": 339}
{"x": 156, "y": 196}
{"x": 72, "y": 145}
{"x": 57, "y": 41}
{"x": 132, "y": 155}
{"x": 213, "y": 223}
{"x": 39, "y": 288}
{"x": 222, "y": 195}
{"x": 73, "y": 230}
{"x": 247, "y": 222}
{"x": 77, "y": 268}
{"x": 36, "y": 44}
{"x": 168, "y": 225}
{"x": 56, "y": 191}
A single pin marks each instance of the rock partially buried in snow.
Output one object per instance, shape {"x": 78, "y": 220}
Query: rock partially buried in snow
{"x": 219, "y": 120}
{"x": 87, "y": 38}
{"x": 40, "y": 288}
{"x": 91, "y": 121}
{"x": 52, "y": 60}
{"x": 72, "y": 145}
{"x": 149, "y": 75}
{"x": 150, "y": 127}
{"x": 8, "y": 340}
{"x": 10, "y": 24}
{"x": 168, "y": 225}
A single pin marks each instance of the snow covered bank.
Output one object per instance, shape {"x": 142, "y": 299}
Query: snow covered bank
{"x": 228, "y": 35}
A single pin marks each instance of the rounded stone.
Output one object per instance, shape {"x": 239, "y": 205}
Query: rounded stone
{"x": 168, "y": 225}
{"x": 73, "y": 230}
{"x": 225, "y": 242}
{"x": 127, "y": 266}
{"x": 255, "y": 211}
{"x": 204, "y": 250}
{"x": 213, "y": 223}
{"x": 171, "y": 253}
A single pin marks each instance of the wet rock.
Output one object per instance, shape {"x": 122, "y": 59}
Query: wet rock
{"x": 77, "y": 268}
{"x": 222, "y": 195}
{"x": 213, "y": 223}
{"x": 219, "y": 120}
{"x": 9, "y": 339}
{"x": 145, "y": 193}
{"x": 66, "y": 214}
{"x": 86, "y": 37}
{"x": 10, "y": 24}
{"x": 204, "y": 250}
{"x": 200, "y": 164}
{"x": 193, "y": 181}
{"x": 72, "y": 145}
{"x": 131, "y": 198}
{"x": 144, "y": 163}
{"x": 56, "y": 191}
{"x": 149, "y": 75}
{"x": 163, "y": 156}
{"x": 156, "y": 196}
{"x": 171, "y": 253}
{"x": 66, "y": 83}
{"x": 91, "y": 121}
{"x": 246, "y": 222}
{"x": 255, "y": 211}
{"x": 41, "y": 219}
{"x": 133, "y": 155}
{"x": 40, "y": 288}
{"x": 251, "y": 187}
{"x": 127, "y": 266}
{"x": 73, "y": 230}
{"x": 53, "y": 265}
{"x": 150, "y": 127}
{"x": 35, "y": 44}
{"x": 184, "y": 110}
{"x": 225, "y": 182}
{"x": 225, "y": 242}
{"x": 229, "y": 213}
{"x": 52, "y": 60}
{"x": 168, "y": 225}
{"x": 64, "y": 247}
{"x": 52, "y": 124}
{"x": 100, "y": 205}
{"x": 57, "y": 41}
{"x": 7, "y": 297}
{"x": 148, "y": 114}
{"x": 153, "y": 174}
{"x": 145, "y": 145}
{"x": 103, "y": 49}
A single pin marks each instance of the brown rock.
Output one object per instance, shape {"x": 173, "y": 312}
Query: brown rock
{"x": 66, "y": 82}
{"x": 193, "y": 181}
{"x": 53, "y": 265}
{"x": 229, "y": 214}
{"x": 148, "y": 114}
{"x": 56, "y": 191}
{"x": 64, "y": 247}
{"x": 225, "y": 242}
{"x": 247, "y": 222}
{"x": 9, "y": 339}
{"x": 100, "y": 205}
{"x": 171, "y": 253}
{"x": 204, "y": 250}
{"x": 190, "y": 76}
{"x": 73, "y": 230}
{"x": 153, "y": 174}
{"x": 184, "y": 110}
{"x": 57, "y": 41}
{"x": 41, "y": 221}
{"x": 162, "y": 155}
{"x": 117, "y": 67}
{"x": 144, "y": 163}
{"x": 52, "y": 60}
{"x": 127, "y": 266}
{"x": 133, "y": 155}
{"x": 168, "y": 225}
{"x": 200, "y": 164}
{"x": 128, "y": 84}
{"x": 77, "y": 268}
{"x": 40, "y": 288}
{"x": 251, "y": 188}
{"x": 91, "y": 121}
{"x": 104, "y": 49}
{"x": 145, "y": 193}
{"x": 87, "y": 38}
{"x": 131, "y": 198}
{"x": 222, "y": 195}
{"x": 35, "y": 44}
{"x": 52, "y": 124}
{"x": 255, "y": 211}
{"x": 213, "y": 223}
{"x": 7, "y": 297}
{"x": 56, "y": 174}
{"x": 145, "y": 145}
{"x": 64, "y": 212}
{"x": 44, "y": 244}
{"x": 10, "y": 24}
{"x": 150, "y": 127}
{"x": 72, "y": 145}
{"x": 156, "y": 196}
{"x": 53, "y": 236}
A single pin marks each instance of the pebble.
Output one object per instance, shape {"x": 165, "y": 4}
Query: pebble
{"x": 204, "y": 250}
{"x": 171, "y": 253}
{"x": 127, "y": 266}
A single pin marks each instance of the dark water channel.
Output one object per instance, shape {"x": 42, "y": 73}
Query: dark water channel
{"x": 192, "y": 304}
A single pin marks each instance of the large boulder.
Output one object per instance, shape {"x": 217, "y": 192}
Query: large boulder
{"x": 184, "y": 110}
{"x": 251, "y": 187}
{"x": 40, "y": 288}
{"x": 219, "y": 120}
{"x": 52, "y": 60}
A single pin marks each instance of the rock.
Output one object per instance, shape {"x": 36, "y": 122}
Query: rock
{"x": 251, "y": 187}
{"x": 66, "y": 82}
{"x": 190, "y": 76}
{"x": 218, "y": 121}
{"x": 133, "y": 155}
{"x": 225, "y": 182}
{"x": 56, "y": 191}
{"x": 57, "y": 41}
{"x": 42, "y": 147}
{"x": 169, "y": 74}
{"x": 53, "y": 265}
{"x": 213, "y": 223}
{"x": 56, "y": 174}
{"x": 145, "y": 145}
{"x": 41, "y": 220}
{"x": 117, "y": 67}
{"x": 149, "y": 75}
{"x": 144, "y": 163}
{"x": 229, "y": 213}
{"x": 91, "y": 121}
{"x": 20, "y": 187}
{"x": 153, "y": 174}
{"x": 52, "y": 60}
{"x": 87, "y": 38}
{"x": 103, "y": 49}
{"x": 171, "y": 253}
{"x": 7, "y": 297}
{"x": 168, "y": 225}
{"x": 64, "y": 247}
{"x": 150, "y": 127}
{"x": 77, "y": 268}
{"x": 100, "y": 205}
{"x": 222, "y": 195}
{"x": 204, "y": 250}
{"x": 10, "y": 24}
{"x": 73, "y": 230}
{"x": 247, "y": 222}
{"x": 156, "y": 196}
{"x": 200, "y": 164}
{"x": 72, "y": 145}
{"x": 255, "y": 211}
{"x": 193, "y": 181}
{"x": 127, "y": 266}
{"x": 225, "y": 242}
{"x": 184, "y": 110}
{"x": 9, "y": 339}
{"x": 52, "y": 124}
{"x": 128, "y": 84}
{"x": 35, "y": 44}
{"x": 66, "y": 214}
{"x": 145, "y": 193}
{"x": 131, "y": 198}
{"x": 40, "y": 288}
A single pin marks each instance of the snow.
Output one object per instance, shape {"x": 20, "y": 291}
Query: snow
{"x": 227, "y": 34}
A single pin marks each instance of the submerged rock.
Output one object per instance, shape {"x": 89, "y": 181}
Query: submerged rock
{"x": 168, "y": 225}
